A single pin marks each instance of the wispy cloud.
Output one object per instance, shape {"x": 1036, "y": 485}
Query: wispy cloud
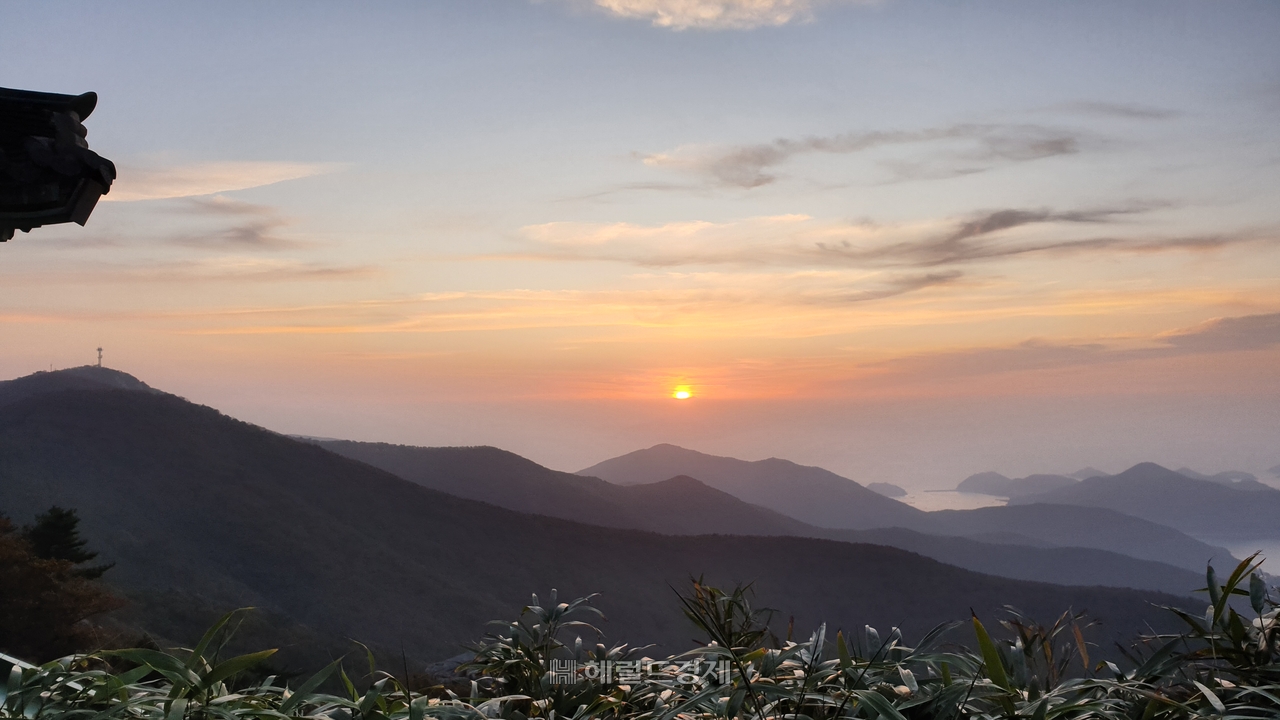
{"x": 1127, "y": 111}
{"x": 751, "y": 166}
{"x": 142, "y": 183}
{"x": 257, "y": 228}
{"x": 1249, "y": 332}
{"x": 802, "y": 241}
{"x": 713, "y": 14}
{"x": 229, "y": 268}
{"x": 777, "y": 304}
{"x": 1219, "y": 335}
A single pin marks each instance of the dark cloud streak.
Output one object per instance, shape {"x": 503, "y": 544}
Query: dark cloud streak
{"x": 1126, "y": 111}
{"x": 748, "y": 166}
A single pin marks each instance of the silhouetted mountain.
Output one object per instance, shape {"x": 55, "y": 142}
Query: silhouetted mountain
{"x": 1231, "y": 478}
{"x": 1275, "y": 470}
{"x": 677, "y": 506}
{"x": 87, "y": 377}
{"x": 683, "y": 505}
{"x": 1198, "y": 507}
{"x": 813, "y": 495}
{"x": 202, "y": 512}
{"x": 1087, "y": 472}
{"x": 806, "y": 495}
{"x": 888, "y": 490}
{"x": 1022, "y": 560}
{"x": 1077, "y": 526}
{"x": 985, "y": 483}
{"x": 991, "y": 483}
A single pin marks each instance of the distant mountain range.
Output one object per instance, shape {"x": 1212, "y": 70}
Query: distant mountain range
{"x": 683, "y": 505}
{"x": 202, "y": 512}
{"x": 810, "y": 494}
{"x": 679, "y": 505}
{"x": 1231, "y": 478}
{"x": 993, "y": 483}
{"x": 1205, "y": 508}
{"x": 805, "y": 492}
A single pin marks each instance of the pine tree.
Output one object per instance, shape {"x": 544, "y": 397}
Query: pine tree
{"x": 56, "y": 536}
{"x": 44, "y": 602}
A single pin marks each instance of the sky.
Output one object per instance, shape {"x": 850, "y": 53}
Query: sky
{"x": 906, "y": 241}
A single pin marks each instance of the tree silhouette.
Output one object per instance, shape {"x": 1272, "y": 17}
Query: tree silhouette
{"x": 56, "y": 536}
{"x": 44, "y": 601}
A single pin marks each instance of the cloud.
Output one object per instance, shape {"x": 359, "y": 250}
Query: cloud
{"x": 256, "y": 235}
{"x": 895, "y": 286}
{"x": 223, "y": 205}
{"x": 1248, "y": 332}
{"x": 1126, "y": 111}
{"x": 228, "y": 268}
{"x": 712, "y": 14}
{"x": 750, "y": 166}
{"x": 968, "y": 240}
{"x": 802, "y": 241}
{"x": 1219, "y": 335}
{"x": 257, "y": 229}
{"x": 802, "y": 304}
{"x": 139, "y": 183}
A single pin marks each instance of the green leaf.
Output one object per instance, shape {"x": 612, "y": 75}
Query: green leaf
{"x": 132, "y": 676}
{"x": 177, "y": 710}
{"x": 842, "y": 649}
{"x": 1211, "y": 697}
{"x": 235, "y": 665}
{"x": 197, "y": 655}
{"x": 879, "y": 703}
{"x": 167, "y": 665}
{"x": 304, "y": 691}
{"x": 990, "y": 655}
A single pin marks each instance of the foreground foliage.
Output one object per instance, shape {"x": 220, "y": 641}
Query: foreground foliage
{"x": 1224, "y": 665}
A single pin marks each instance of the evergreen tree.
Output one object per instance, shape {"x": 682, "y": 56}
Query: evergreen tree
{"x": 56, "y": 536}
{"x": 44, "y": 602}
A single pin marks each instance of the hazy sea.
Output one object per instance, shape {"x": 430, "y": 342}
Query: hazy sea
{"x": 1244, "y": 548}
{"x": 930, "y": 500}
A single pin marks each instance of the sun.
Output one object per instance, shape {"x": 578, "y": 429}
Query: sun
{"x": 682, "y": 392}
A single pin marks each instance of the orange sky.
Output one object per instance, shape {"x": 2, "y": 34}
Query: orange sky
{"x": 860, "y": 238}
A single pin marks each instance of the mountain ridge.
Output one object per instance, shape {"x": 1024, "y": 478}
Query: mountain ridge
{"x": 203, "y": 513}
{"x": 1064, "y": 526}
{"x": 488, "y": 475}
{"x": 1158, "y": 494}
{"x": 815, "y": 496}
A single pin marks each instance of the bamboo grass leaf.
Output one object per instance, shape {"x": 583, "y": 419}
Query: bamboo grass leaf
{"x": 233, "y": 666}
{"x": 991, "y": 656}
{"x": 307, "y": 688}
{"x": 1212, "y": 697}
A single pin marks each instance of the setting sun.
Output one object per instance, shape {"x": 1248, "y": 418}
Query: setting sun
{"x": 682, "y": 392}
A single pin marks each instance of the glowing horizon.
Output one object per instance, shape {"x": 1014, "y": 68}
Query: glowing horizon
{"x": 534, "y": 224}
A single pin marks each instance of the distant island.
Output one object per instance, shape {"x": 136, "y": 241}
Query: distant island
{"x": 887, "y": 489}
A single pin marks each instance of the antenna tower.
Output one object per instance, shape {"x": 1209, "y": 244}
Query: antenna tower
{"x": 99, "y": 357}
